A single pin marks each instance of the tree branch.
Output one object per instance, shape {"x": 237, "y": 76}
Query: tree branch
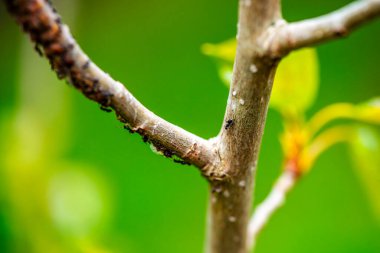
{"x": 41, "y": 21}
{"x": 241, "y": 133}
{"x": 270, "y": 205}
{"x": 316, "y": 30}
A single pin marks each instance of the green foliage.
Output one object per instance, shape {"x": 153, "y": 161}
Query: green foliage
{"x": 365, "y": 150}
{"x": 52, "y": 197}
{"x": 369, "y": 111}
{"x": 78, "y": 200}
{"x": 224, "y": 56}
{"x": 296, "y": 82}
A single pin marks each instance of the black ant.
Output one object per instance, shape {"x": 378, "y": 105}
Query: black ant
{"x": 126, "y": 127}
{"x": 181, "y": 162}
{"x": 229, "y": 123}
{"x": 145, "y": 138}
{"x": 38, "y": 50}
{"x": 104, "y": 108}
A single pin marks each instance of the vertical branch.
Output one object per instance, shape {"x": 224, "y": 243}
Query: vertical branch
{"x": 240, "y": 136}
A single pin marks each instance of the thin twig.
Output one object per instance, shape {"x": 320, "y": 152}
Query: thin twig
{"x": 288, "y": 179}
{"x": 41, "y": 21}
{"x": 270, "y": 205}
{"x": 316, "y": 30}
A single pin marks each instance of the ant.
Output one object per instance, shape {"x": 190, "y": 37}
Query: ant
{"x": 104, "y": 108}
{"x": 229, "y": 124}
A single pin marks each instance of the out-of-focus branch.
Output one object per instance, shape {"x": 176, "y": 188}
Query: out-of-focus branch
{"x": 291, "y": 175}
{"x": 270, "y": 205}
{"x": 316, "y": 30}
{"x": 41, "y": 21}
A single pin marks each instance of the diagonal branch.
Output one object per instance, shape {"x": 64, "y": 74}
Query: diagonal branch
{"x": 41, "y": 21}
{"x": 316, "y": 30}
{"x": 270, "y": 205}
{"x": 290, "y": 177}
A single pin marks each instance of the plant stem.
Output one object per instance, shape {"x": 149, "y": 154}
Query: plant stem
{"x": 240, "y": 139}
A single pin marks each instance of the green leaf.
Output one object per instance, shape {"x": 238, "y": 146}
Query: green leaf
{"x": 369, "y": 111}
{"x": 365, "y": 149}
{"x": 296, "y": 81}
{"x": 224, "y": 51}
{"x": 224, "y": 55}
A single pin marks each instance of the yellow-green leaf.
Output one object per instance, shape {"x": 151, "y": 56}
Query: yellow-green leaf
{"x": 224, "y": 51}
{"x": 366, "y": 154}
{"x": 296, "y": 81}
{"x": 369, "y": 111}
{"x": 225, "y": 73}
{"x": 224, "y": 55}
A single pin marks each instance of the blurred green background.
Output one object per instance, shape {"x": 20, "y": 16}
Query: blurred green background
{"x": 72, "y": 180}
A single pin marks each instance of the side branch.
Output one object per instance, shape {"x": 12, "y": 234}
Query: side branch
{"x": 316, "y": 30}
{"x": 270, "y": 205}
{"x": 41, "y": 21}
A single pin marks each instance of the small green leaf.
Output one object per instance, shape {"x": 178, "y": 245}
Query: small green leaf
{"x": 224, "y": 51}
{"x": 369, "y": 111}
{"x": 225, "y": 73}
{"x": 224, "y": 55}
{"x": 366, "y": 112}
{"x": 365, "y": 148}
{"x": 296, "y": 81}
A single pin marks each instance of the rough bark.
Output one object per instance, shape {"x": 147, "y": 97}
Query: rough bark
{"x": 313, "y": 31}
{"x": 239, "y": 140}
{"x": 54, "y": 40}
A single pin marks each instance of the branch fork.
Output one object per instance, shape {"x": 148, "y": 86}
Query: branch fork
{"x": 229, "y": 160}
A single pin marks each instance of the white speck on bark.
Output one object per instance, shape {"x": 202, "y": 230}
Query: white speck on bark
{"x": 233, "y": 107}
{"x": 247, "y": 3}
{"x": 241, "y": 101}
{"x": 253, "y": 68}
